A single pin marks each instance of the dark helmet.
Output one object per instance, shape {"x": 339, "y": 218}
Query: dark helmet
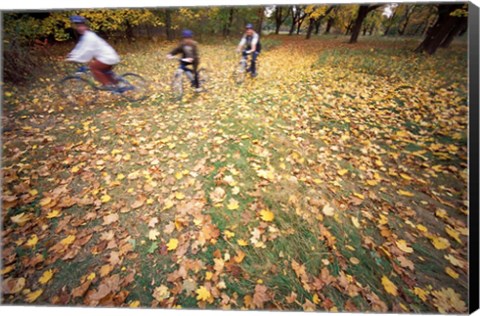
{"x": 249, "y": 26}
{"x": 77, "y": 19}
{"x": 187, "y": 34}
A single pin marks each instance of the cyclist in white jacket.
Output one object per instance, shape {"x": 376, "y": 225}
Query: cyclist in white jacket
{"x": 94, "y": 50}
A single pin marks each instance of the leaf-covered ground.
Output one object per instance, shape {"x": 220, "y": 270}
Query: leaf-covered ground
{"x": 335, "y": 181}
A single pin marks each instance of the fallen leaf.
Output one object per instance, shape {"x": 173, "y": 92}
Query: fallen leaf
{"x": 161, "y": 293}
{"x": 32, "y": 241}
{"x": 389, "y": 286}
{"x": 109, "y": 219}
{"x": 46, "y": 276}
{"x": 172, "y": 244}
{"x": 267, "y": 215}
{"x": 451, "y": 272}
{"x": 328, "y": 210}
{"x": 402, "y": 245}
{"x": 32, "y": 296}
{"x": 68, "y": 240}
{"x": 440, "y": 243}
{"x": 203, "y": 294}
{"x": 12, "y": 285}
{"x": 153, "y": 234}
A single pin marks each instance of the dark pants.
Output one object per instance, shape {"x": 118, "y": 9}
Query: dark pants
{"x": 253, "y": 63}
{"x": 102, "y": 72}
{"x": 184, "y": 67}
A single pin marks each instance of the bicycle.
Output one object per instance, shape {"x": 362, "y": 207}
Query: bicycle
{"x": 242, "y": 69}
{"x": 80, "y": 88}
{"x": 177, "y": 81}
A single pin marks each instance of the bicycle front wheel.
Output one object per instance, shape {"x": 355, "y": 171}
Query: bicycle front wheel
{"x": 133, "y": 87}
{"x": 177, "y": 85}
{"x": 203, "y": 78}
{"x": 240, "y": 72}
{"x": 77, "y": 91}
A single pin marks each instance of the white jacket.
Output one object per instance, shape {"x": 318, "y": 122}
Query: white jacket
{"x": 93, "y": 46}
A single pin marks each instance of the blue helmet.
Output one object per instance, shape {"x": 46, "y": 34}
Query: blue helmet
{"x": 249, "y": 26}
{"x": 187, "y": 34}
{"x": 77, "y": 19}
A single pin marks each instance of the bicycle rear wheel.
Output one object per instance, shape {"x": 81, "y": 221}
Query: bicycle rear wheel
{"x": 203, "y": 77}
{"x": 133, "y": 87}
{"x": 77, "y": 91}
{"x": 177, "y": 84}
{"x": 240, "y": 72}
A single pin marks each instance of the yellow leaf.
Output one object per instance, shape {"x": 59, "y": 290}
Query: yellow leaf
{"x": 172, "y": 244}
{"x": 46, "y": 276}
{"x": 75, "y": 169}
{"x": 372, "y": 182}
{"x": 45, "y": 201}
{"x": 405, "y": 176}
{"x": 402, "y": 245}
{"x": 179, "y": 196}
{"x": 7, "y": 269}
{"x": 179, "y": 175}
{"x": 328, "y": 210}
{"x": 53, "y": 214}
{"x": 422, "y": 294}
{"x": 440, "y": 243}
{"x": 21, "y": 219}
{"x": 453, "y": 233}
{"x": 91, "y": 276}
{"x": 105, "y": 198}
{"x": 342, "y": 172}
{"x": 389, "y": 286}
{"x": 451, "y": 273}
{"x": 315, "y": 298}
{"x": 229, "y": 234}
{"x": 360, "y": 196}
{"x": 32, "y": 241}
{"x": 134, "y": 304}
{"x": 33, "y": 192}
{"x": 120, "y": 176}
{"x": 422, "y": 228}
{"x": 242, "y": 242}
{"x": 68, "y": 240}
{"x": 168, "y": 204}
{"x": 203, "y": 294}
{"x": 208, "y": 275}
{"x": 405, "y": 193}
{"x": 355, "y": 222}
{"x": 32, "y": 296}
{"x": 266, "y": 215}
{"x": 232, "y": 204}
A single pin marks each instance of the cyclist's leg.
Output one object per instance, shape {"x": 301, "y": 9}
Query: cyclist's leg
{"x": 253, "y": 65}
{"x": 99, "y": 71}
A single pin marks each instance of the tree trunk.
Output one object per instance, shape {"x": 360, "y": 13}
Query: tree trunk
{"x": 311, "y": 25}
{"x": 460, "y": 24}
{"x": 279, "y": 18}
{"x": 228, "y": 26}
{"x": 363, "y": 11}
{"x": 364, "y": 32}
{"x": 260, "y": 14}
{"x": 168, "y": 25}
{"x": 349, "y": 27}
{"x": 390, "y": 23}
{"x": 317, "y": 26}
{"x": 294, "y": 22}
{"x": 408, "y": 14}
{"x": 372, "y": 28}
{"x": 129, "y": 32}
{"x": 329, "y": 25}
{"x": 437, "y": 34}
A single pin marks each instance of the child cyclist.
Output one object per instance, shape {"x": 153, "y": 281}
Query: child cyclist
{"x": 250, "y": 43}
{"x": 95, "y": 51}
{"x": 189, "y": 50}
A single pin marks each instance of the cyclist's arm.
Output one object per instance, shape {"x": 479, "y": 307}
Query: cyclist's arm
{"x": 242, "y": 43}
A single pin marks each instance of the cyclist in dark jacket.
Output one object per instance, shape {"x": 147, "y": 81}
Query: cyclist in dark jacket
{"x": 189, "y": 50}
{"x": 250, "y": 43}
